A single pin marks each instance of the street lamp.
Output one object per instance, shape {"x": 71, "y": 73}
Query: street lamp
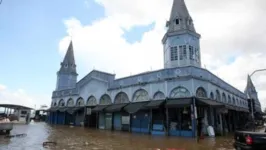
{"x": 251, "y": 103}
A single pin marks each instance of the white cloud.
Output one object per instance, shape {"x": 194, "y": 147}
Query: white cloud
{"x": 20, "y": 97}
{"x": 228, "y": 28}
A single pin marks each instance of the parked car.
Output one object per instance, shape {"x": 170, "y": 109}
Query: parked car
{"x": 247, "y": 140}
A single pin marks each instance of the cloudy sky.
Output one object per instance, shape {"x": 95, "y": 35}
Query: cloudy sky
{"x": 122, "y": 37}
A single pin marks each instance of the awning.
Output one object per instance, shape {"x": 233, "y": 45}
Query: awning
{"x": 134, "y": 107}
{"x": 209, "y": 102}
{"x": 243, "y": 109}
{"x": 53, "y": 109}
{"x": 230, "y": 107}
{"x": 72, "y": 110}
{"x": 178, "y": 102}
{"x": 62, "y": 109}
{"x": 154, "y": 104}
{"x": 114, "y": 108}
{"x": 99, "y": 108}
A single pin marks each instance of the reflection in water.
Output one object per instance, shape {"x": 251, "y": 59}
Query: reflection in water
{"x": 82, "y": 138}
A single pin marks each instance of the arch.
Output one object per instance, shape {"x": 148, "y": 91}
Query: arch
{"x": 80, "y": 102}
{"x": 229, "y": 99}
{"x": 105, "y": 100}
{"x": 234, "y": 101}
{"x": 224, "y": 98}
{"x": 91, "y": 101}
{"x": 54, "y": 104}
{"x": 218, "y": 96}
{"x": 212, "y": 96}
{"x": 159, "y": 96}
{"x": 201, "y": 92}
{"x": 179, "y": 92}
{"x": 70, "y": 103}
{"x": 61, "y": 103}
{"x": 140, "y": 95}
{"x": 121, "y": 98}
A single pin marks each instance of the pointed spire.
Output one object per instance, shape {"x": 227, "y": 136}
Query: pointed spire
{"x": 250, "y": 88}
{"x": 68, "y": 65}
{"x": 180, "y": 18}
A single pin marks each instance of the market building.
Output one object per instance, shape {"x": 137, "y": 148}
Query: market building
{"x": 163, "y": 102}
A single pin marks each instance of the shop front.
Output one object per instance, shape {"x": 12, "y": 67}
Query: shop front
{"x": 116, "y": 113}
{"x": 179, "y": 116}
{"x": 157, "y": 117}
{"x": 102, "y": 117}
{"x": 139, "y": 117}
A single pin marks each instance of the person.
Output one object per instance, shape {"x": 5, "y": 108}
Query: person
{"x": 27, "y": 118}
{"x": 199, "y": 127}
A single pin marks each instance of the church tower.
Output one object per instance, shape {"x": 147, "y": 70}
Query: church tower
{"x": 252, "y": 94}
{"x": 181, "y": 41}
{"x": 67, "y": 75}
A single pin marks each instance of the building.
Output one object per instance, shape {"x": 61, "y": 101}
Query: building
{"x": 162, "y": 102}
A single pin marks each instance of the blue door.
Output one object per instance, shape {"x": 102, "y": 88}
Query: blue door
{"x": 140, "y": 122}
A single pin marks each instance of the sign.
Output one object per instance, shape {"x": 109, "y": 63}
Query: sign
{"x": 125, "y": 120}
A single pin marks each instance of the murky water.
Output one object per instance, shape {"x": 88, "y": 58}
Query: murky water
{"x": 79, "y": 138}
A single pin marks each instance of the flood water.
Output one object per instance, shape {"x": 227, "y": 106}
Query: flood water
{"x": 80, "y": 138}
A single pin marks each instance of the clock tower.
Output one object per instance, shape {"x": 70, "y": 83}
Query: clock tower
{"x": 181, "y": 42}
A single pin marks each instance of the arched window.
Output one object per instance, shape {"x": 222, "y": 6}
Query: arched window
{"x": 105, "y": 100}
{"x": 54, "y": 104}
{"x": 121, "y": 98}
{"x": 91, "y": 101}
{"x": 158, "y": 96}
{"x": 140, "y": 95}
{"x": 70, "y": 102}
{"x": 212, "y": 96}
{"x": 61, "y": 103}
{"x": 229, "y": 99}
{"x": 201, "y": 92}
{"x": 179, "y": 92}
{"x": 224, "y": 98}
{"x": 80, "y": 102}
{"x": 218, "y": 96}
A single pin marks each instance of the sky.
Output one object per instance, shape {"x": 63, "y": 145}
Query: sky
{"x": 122, "y": 37}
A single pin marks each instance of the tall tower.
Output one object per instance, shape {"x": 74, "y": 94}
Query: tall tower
{"x": 181, "y": 41}
{"x": 252, "y": 94}
{"x": 67, "y": 75}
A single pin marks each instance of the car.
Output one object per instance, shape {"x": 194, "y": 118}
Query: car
{"x": 247, "y": 140}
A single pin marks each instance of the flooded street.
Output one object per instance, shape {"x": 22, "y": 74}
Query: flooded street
{"x": 81, "y": 138}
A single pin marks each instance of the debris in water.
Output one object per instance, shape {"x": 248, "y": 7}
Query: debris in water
{"x": 16, "y": 135}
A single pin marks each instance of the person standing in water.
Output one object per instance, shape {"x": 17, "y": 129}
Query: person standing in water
{"x": 199, "y": 127}
{"x": 27, "y": 118}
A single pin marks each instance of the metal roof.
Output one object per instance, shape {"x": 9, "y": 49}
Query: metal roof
{"x": 13, "y": 106}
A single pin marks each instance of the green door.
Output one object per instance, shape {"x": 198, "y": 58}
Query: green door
{"x": 108, "y": 121}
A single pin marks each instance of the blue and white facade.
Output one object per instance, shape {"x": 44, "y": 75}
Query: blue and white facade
{"x": 185, "y": 91}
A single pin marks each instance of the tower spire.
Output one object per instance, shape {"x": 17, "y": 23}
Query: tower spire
{"x": 67, "y": 75}
{"x": 180, "y": 18}
{"x": 68, "y": 65}
{"x": 250, "y": 86}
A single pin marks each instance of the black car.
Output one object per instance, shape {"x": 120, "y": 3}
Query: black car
{"x": 246, "y": 140}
